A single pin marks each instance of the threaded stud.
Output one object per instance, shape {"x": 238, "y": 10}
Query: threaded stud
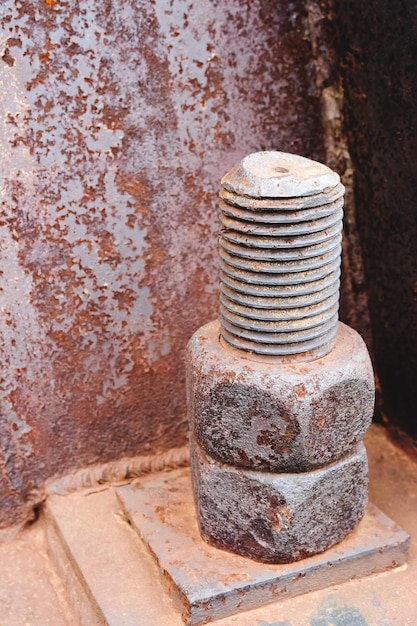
{"x": 280, "y": 249}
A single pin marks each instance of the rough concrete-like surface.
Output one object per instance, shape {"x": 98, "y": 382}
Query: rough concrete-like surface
{"x": 90, "y": 537}
{"x": 31, "y": 593}
{"x": 119, "y": 118}
{"x": 212, "y": 583}
{"x": 278, "y": 517}
{"x": 265, "y": 415}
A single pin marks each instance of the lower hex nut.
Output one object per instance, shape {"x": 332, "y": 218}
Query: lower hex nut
{"x": 278, "y": 517}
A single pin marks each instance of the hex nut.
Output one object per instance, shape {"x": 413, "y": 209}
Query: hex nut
{"x": 252, "y": 412}
{"x": 278, "y": 517}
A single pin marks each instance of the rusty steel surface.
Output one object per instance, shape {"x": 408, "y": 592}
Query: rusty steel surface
{"x": 118, "y": 119}
{"x": 267, "y": 243}
{"x": 208, "y": 584}
{"x": 278, "y": 469}
{"x": 278, "y": 517}
{"x": 287, "y": 418}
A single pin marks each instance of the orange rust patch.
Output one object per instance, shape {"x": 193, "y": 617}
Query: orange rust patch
{"x": 300, "y": 390}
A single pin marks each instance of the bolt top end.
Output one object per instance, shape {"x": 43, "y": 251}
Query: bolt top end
{"x": 279, "y": 175}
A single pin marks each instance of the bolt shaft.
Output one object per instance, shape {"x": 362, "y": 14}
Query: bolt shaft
{"x": 270, "y": 430}
{"x": 280, "y": 249}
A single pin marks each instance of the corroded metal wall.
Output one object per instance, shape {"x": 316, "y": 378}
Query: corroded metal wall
{"x": 118, "y": 120}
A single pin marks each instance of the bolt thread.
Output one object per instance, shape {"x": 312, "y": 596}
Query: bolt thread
{"x": 280, "y": 271}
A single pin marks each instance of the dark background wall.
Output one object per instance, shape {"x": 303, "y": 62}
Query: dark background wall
{"x": 119, "y": 118}
{"x": 376, "y": 44}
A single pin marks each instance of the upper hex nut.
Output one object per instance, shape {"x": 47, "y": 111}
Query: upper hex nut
{"x": 286, "y": 417}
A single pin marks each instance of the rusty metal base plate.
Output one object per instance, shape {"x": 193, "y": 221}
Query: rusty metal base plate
{"x": 208, "y": 584}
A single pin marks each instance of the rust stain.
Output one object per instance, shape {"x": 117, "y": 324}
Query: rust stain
{"x": 8, "y": 58}
{"x": 160, "y": 511}
{"x": 280, "y": 442}
{"x": 300, "y": 390}
{"x": 278, "y": 514}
